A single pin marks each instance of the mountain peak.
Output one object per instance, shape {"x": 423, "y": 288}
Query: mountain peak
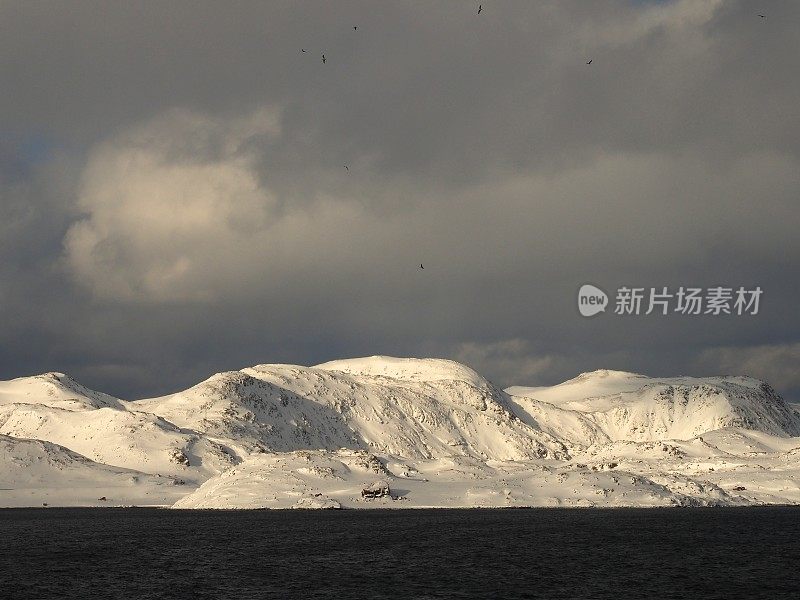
{"x": 54, "y": 389}
{"x": 408, "y": 369}
{"x": 607, "y": 374}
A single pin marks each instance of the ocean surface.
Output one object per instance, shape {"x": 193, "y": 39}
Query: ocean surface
{"x": 528, "y": 553}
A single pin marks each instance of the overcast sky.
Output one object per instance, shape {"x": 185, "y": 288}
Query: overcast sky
{"x": 175, "y": 200}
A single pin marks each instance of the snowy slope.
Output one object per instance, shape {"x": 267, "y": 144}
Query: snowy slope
{"x": 408, "y": 369}
{"x": 33, "y": 473}
{"x": 55, "y": 408}
{"x": 252, "y": 415}
{"x": 307, "y": 479}
{"x": 595, "y": 384}
{"x": 415, "y": 412}
{"x": 626, "y": 406}
{"x": 56, "y": 390}
{"x": 435, "y": 431}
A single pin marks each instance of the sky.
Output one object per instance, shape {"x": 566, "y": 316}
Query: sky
{"x": 175, "y": 201}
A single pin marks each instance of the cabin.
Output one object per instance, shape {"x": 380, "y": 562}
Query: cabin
{"x": 377, "y": 489}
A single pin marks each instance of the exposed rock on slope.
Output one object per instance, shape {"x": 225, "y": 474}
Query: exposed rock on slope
{"x": 253, "y": 414}
{"x": 416, "y": 408}
{"x": 423, "y": 410}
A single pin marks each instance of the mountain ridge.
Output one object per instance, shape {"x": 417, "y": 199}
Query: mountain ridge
{"x": 436, "y": 426}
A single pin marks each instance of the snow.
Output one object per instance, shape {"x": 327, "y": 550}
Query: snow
{"x": 289, "y": 480}
{"x": 407, "y": 369}
{"x": 620, "y": 405}
{"x": 36, "y": 473}
{"x": 56, "y": 390}
{"x": 586, "y": 385}
{"x": 435, "y": 431}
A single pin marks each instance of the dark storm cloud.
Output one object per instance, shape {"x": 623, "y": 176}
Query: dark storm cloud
{"x": 181, "y": 204}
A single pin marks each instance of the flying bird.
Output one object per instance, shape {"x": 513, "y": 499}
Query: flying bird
{"x": 355, "y": 27}
{"x": 348, "y": 168}
{"x": 324, "y": 60}
{"x": 590, "y": 61}
{"x": 420, "y": 266}
{"x": 763, "y": 16}
{"x": 302, "y": 49}
{"x": 480, "y": 8}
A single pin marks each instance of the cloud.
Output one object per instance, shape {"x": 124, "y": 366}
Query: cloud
{"x": 181, "y": 209}
{"x": 167, "y": 203}
{"x": 508, "y": 361}
{"x": 192, "y": 211}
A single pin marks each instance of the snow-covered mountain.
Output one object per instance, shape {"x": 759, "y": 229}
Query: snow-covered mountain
{"x": 434, "y": 432}
{"x": 56, "y": 409}
{"x": 614, "y": 405}
{"x": 385, "y": 405}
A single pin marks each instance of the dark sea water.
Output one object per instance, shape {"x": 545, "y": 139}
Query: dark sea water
{"x": 541, "y": 553}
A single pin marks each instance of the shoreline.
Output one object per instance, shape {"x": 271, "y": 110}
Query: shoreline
{"x": 397, "y": 509}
